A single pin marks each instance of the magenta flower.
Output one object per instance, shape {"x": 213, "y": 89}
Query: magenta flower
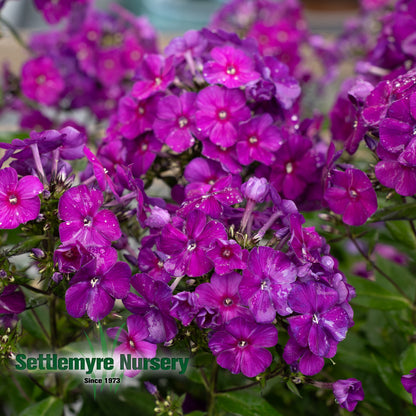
{"x": 227, "y": 255}
{"x": 230, "y": 67}
{"x": 53, "y": 11}
{"x": 222, "y": 294}
{"x": 240, "y": 346}
{"x": 175, "y": 124}
{"x": 12, "y": 300}
{"x": 258, "y": 138}
{"x": 409, "y": 384}
{"x": 267, "y": 283}
{"x": 184, "y": 307}
{"x": 155, "y": 74}
{"x": 351, "y": 195}
{"x": 19, "y": 201}
{"x": 133, "y": 341}
{"x": 79, "y": 208}
{"x": 94, "y": 292}
{"x": 348, "y": 393}
{"x": 41, "y": 80}
{"x": 187, "y": 250}
{"x": 219, "y": 112}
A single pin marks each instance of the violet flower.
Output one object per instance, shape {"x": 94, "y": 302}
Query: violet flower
{"x": 227, "y": 256}
{"x": 240, "y": 346}
{"x": 12, "y": 302}
{"x": 348, "y": 393}
{"x": 19, "y": 201}
{"x": 409, "y": 384}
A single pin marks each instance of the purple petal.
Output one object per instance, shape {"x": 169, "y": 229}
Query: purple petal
{"x": 116, "y": 281}
{"x": 254, "y": 361}
{"x": 106, "y": 223}
{"x": 76, "y": 299}
{"x": 99, "y": 303}
{"x": 29, "y": 187}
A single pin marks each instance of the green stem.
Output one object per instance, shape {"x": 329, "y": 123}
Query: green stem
{"x": 14, "y": 33}
{"x": 212, "y": 390}
{"x": 42, "y": 327}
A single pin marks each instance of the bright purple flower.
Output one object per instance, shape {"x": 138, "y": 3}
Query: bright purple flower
{"x": 152, "y": 263}
{"x": 83, "y": 221}
{"x": 309, "y": 364}
{"x": 255, "y": 189}
{"x": 348, "y": 393}
{"x": 222, "y": 294}
{"x": 351, "y": 195}
{"x": 94, "y": 292}
{"x": 41, "y": 80}
{"x": 153, "y": 305}
{"x": 109, "y": 66}
{"x": 322, "y": 322}
{"x": 187, "y": 250}
{"x": 70, "y": 257}
{"x": 133, "y": 341}
{"x": 155, "y": 74}
{"x": 219, "y": 112}
{"x": 266, "y": 283}
{"x": 12, "y": 300}
{"x": 227, "y": 256}
{"x": 258, "y": 138}
{"x": 19, "y": 201}
{"x": 175, "y": 124}
{"x": 54, "y": 10}
{"x": 409, "y": 384}
{"x": 227, "y": 156}
{"x": 184, "y": 307}
{"x": 230, "y": 67}
{"x": 240, "y": 346}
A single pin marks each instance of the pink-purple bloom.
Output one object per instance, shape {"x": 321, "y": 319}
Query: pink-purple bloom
{"x": 19, "y": 200}
{"x": 348, "y": 393}
{"x": 409, "y": 384}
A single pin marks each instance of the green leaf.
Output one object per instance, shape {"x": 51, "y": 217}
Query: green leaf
{"x": 292, "y": 387}
{"x": 245, "y": 404}
{"x": 391, "y": 378}
{"x": 48, "y": 407}
{"x": 32, "y": 326}
{"x": 408, "y": 359}
{"x": 395, "y": 212}
{"x": 372, "y": 295}
{"x": 402, "y": 231}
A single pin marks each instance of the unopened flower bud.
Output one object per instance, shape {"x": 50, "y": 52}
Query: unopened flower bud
{"x": 255, "y": 189}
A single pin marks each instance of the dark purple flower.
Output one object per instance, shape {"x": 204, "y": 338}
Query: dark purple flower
{"x": 133, "y": 341}
{"x": 230, "y": 67}
{"x": 152, "y": 263}
{"x": 184, "y": 307}
{"x": 255, "y": 189}
{"x": 79, "y": 208}
{"x": 187, "y": 250}
{"x": 322, "y": 322}
{"x": 12, "y": 300}
{"x": 348, "y": 393}
{"x": 409, "y": 384}
{"x": 153, "y": 305}
{"x": 351, "y": 195}
{"x": 41, "y": 80}
{"x": 70, "y": 257}
{"x": 220, "y": 110}
{"x": 19, "y": 201}
{"x": 227, "y": 256}
{"x": 240, "y": 346}
{"x": 266, "y": 283}
{"x": 95, "y": 294}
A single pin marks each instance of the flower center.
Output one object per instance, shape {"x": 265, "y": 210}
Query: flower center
{"x": 222, "y": 115}
{"x": 13, "y": 199}
{"x": 131, "y": 343}
{"x": 315, "y": 319}
{"x": 228, "y": 302}
{"x": 40, "y": 79}
{"x": 231, "y": 70}
{"x": 226, "y": 252}
{"x": 353, "y": 193}
{"x": 183, "y": 121}
{"x": 242, "y": 343}
{"x": 264, "y": 285}
{"x": 87, "y": 221}
{"x": 289, "y": 167}
{"x": 160, "y": 263}
{"x": 253, "y": 139}
{"x": 144, "y": 147}
{"x": 140, "y": 110}
{"x": 109, "y": 64}
{"x": 191, "y": 246}
{"x": 158, "y": 80}
{"x": 94, "y": 281}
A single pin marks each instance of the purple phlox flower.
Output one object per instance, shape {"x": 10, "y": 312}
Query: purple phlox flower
{"x": 307, "y": 362}
{"x": 351, "y": 194}
{"x": 258, "y": 138}
{"x": 184, "y": 307}
{"x": 54, "y": 11}
{"x": 79, "y": 208}
{"x": 295, "y": 167}
{"x": 69, "y": 258}
{"x": 409, "y": 384}
{"x": 12, "y": 300}
{"x": 227, "y": 255}
{"x": 321, "y": 323}
{"x": 94, "y": 292}
{"x": 73, "y": 141}
{"x": 266, "y": 283}
{"x": 227, "y": 156}
{"x": 222, "y": 294}
{"x": 175, "y": 121}
{"x": 155, "y": 74}
{"x": 212, "y": 202}
{"x": 157, "y": 218}
{"x": 152, "y": 263}
{"x": 133, "y": 341}
{"x": 153, "y": 305}
{"x": 136, "y": 117}
{"x": 348, "y": 393}
{"x": 187, "y": 249}
{"x": 220, "y": 110}
{"x": 41, "y": 80}
{"x": 240, "y": 346}
{"x": 132, "y": 51}
{"x": 32, "y": 119}
{"x": 230, "y": 67}
{"x": 208, "y": 317}
{"x": 19, "y": 201}
{"x": 391, "y": 253}
{"x": 305, "y": 241}
{"x": 110, "y": 70}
